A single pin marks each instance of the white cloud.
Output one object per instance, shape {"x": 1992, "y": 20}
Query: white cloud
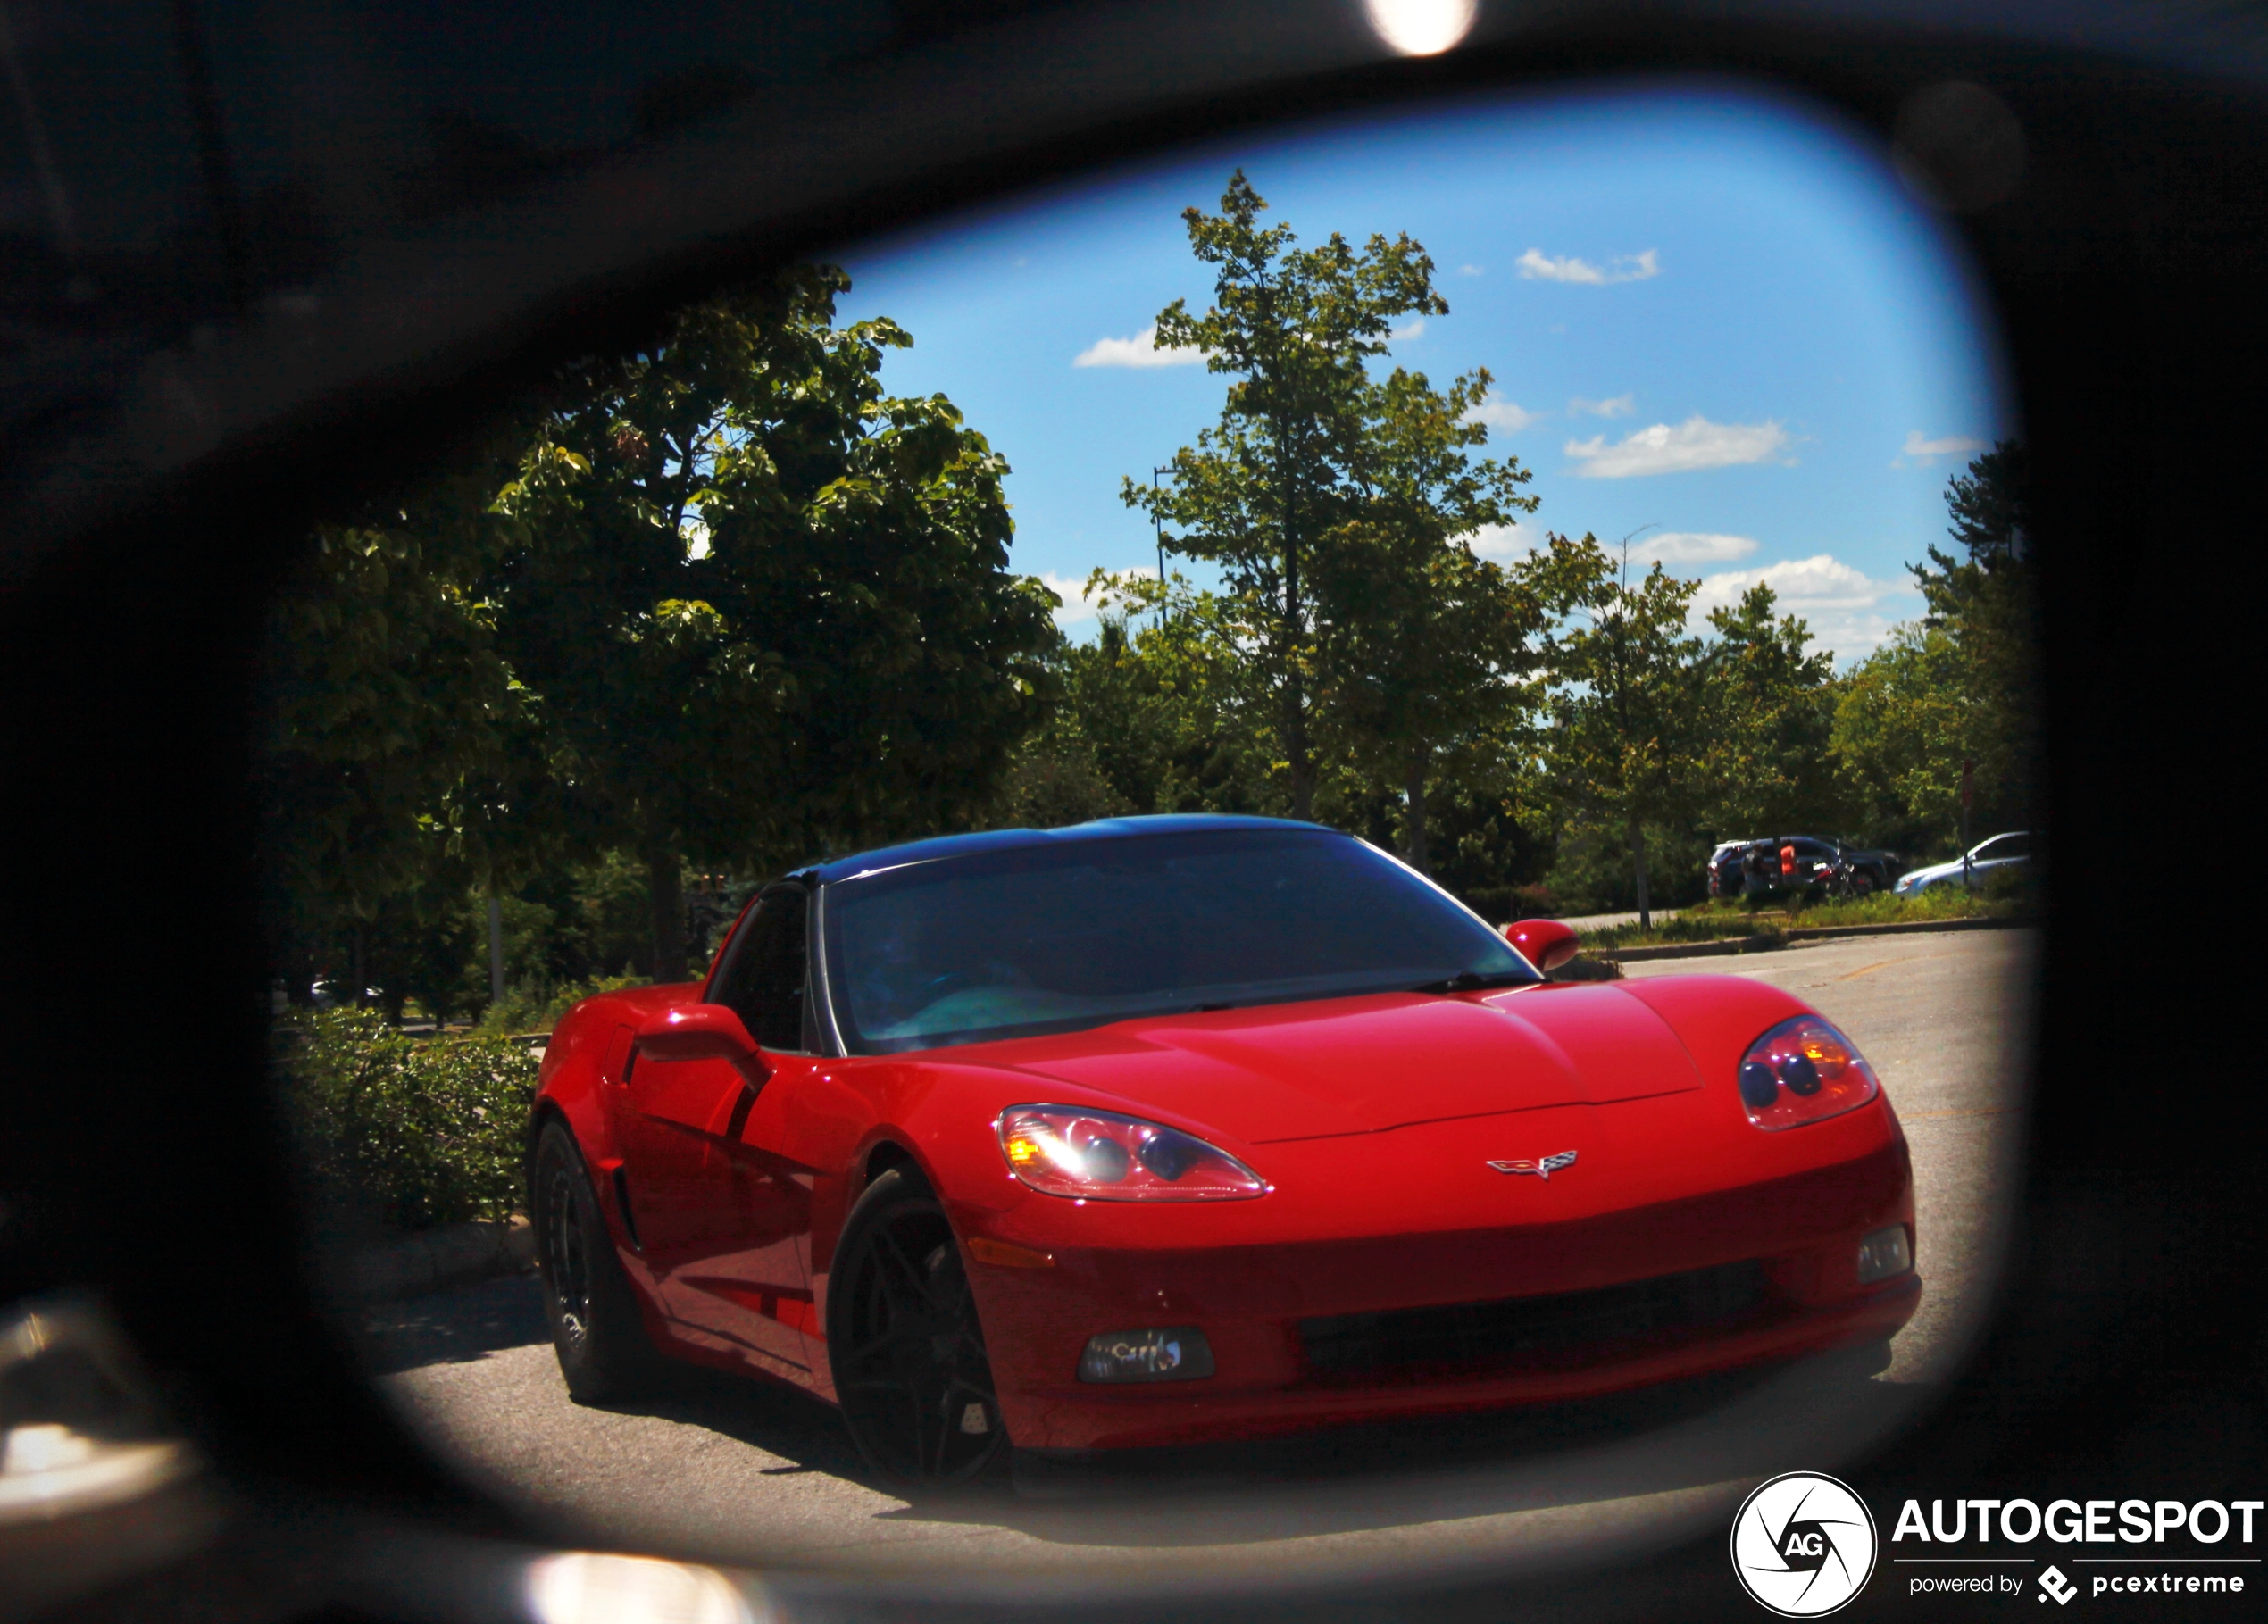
{"x": 1500, "y": 413}
{"x": 1536, "y": 264}
{"x": 1845, "y": 608}
{"x": 1506, "y": 542}
{"x": 1924, "y": 450}
{"x": 1078, "y": 609}
{"x": 1621, "y": 405}
{"x": 1416, "y": 329}
{"x": 1468, "y": 270}
{"x": 1696, "y": 443}
{"x": 1140, "y": 350}
{"x": 1691, "y": 547}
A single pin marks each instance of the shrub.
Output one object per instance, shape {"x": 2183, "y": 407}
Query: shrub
{"x": 536, "y": 1006}
{"x": 420, "y": 1133}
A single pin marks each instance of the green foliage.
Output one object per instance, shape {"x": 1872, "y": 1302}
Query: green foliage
{"x": 1421, "y": 647}
{"x": 1961, "y": 686}
{"x": 1769, "y": 724}
{"x": 1262, "y": 494}
{"x": 1720, "y": 920}
{"x": 768, "y": 607}
{"x": 722, "y": 602}
{"x": 419, "y": 1133}
{"x": 1057, "y": 780}
{"x": 1174, "y": 713}
{"x": 538, "y": 1006}
{"x": 1629, "y": 735}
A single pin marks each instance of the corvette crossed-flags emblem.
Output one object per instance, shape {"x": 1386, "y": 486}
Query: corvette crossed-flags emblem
{"x": 1543, "y": 1167}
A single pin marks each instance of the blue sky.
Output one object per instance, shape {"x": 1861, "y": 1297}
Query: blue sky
{"x": 1712, "y": 315}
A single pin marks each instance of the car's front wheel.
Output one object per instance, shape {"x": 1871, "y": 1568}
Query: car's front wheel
{"x": 603, "y": 1350}
{"x": 908, "y": 1354}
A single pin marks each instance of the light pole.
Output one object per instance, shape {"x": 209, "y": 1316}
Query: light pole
{"x": 1157, "y": 523}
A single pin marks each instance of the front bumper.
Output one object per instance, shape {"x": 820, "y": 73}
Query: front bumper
{"x": 1793, "y": 1241}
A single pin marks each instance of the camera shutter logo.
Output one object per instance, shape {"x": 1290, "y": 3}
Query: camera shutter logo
{"x": 1803, "y": 1543}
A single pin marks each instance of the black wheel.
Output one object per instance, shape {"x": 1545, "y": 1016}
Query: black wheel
{"x": 603, "y": 1350}
{"x": 908, "y": 1354}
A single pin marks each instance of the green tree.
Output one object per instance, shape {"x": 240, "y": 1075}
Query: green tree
{"x": 1987, "y": 599}
{"x": 392, "y": 722}
{"x": 1261, "y": 493}
{"x": 1903, "y": 724}
{"x": 1174, "y": 711}
{"x": 1771, "y": 701}
{"x": 1963, "y": 685}
{"x": 1422, "y": 645}
{"x": 767, "y": 606}
{"x": 1626, "y": 739}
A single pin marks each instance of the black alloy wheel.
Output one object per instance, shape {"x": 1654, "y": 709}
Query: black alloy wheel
{"x": 908, "y": 1355}
{"x": 604, "y": 1351}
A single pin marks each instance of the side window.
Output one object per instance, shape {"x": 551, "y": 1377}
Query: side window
{"x": 2006, "y": 846}
{"x": 765, "y": 982}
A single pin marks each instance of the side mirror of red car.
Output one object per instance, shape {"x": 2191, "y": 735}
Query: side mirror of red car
{"x": 1546, "y": 943}
{"x": 702, "y": 1031}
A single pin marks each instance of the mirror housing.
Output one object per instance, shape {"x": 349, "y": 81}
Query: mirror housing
{"x": 702, "y": 1031}
{"x": 1546, "y": 943}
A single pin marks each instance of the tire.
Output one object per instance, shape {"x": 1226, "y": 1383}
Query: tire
{"x": 603, "y": 1350}
{"x": 904, "y": 1343}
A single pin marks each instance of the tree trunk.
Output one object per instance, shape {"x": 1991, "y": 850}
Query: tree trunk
{"x": 665, "y": 890}
{"x": 354, "y": 953}
{"x": 495, "y": 946}
{"x": 1414, "y": 820}
{"x": 1638, "y": 856}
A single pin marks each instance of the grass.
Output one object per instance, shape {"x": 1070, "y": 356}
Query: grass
{"x": 1720, "y": 920}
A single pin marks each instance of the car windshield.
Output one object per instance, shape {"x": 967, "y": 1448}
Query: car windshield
{"x": 1057, "y": 936}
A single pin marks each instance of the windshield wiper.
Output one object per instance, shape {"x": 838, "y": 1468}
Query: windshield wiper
{"x": 1473, "y": 981}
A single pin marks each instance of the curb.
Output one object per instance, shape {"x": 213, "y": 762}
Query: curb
{"x": 1799, "y": 936}
{"x": 438, "y": 1260}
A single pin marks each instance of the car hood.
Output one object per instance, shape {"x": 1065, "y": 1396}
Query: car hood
{"x": 1368, "y": 1065}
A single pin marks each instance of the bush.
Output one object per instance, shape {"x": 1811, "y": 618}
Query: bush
{"x": 420, "y": 1133}
{"x": 536, "y": 1006}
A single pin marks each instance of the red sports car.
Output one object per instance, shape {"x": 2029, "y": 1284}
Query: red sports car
{"x": 1162, "y": 1129}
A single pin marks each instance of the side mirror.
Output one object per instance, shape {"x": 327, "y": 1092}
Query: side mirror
{"x": 703, "y": 1031}
{"x": 1546, "y": 943}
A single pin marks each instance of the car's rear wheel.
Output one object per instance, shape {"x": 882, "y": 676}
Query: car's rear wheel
{"x": 603, "y": 1350}
{"x": 907, "y": 1351}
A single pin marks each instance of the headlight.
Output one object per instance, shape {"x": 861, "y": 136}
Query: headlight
{"x": 1802, "y": 1071}
{"x": 1099, "y": 1155}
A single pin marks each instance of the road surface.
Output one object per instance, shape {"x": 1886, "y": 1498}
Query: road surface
{"x": 762, "y": 1477}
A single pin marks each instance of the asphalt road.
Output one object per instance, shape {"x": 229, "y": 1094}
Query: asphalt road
{"x": 746, "y": 1473}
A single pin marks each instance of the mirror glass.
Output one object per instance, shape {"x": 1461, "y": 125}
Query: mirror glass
{"x": 1601, "y": 507}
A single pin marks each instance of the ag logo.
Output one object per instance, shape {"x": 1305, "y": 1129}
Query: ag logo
{"x": 1803, "y": 1543}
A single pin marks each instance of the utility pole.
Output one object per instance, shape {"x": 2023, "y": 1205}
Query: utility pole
{"x": 1158, "y": 525}
{"x": 1622, "y": 707}
{"x": 1967, "y": 767}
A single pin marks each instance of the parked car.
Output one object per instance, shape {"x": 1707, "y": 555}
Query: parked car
{"x": 1815, "y": 861}
{"x": 1159, "y": 1131}
{"x": 1985, "y": 857}
{"x": 1725, "y": 867}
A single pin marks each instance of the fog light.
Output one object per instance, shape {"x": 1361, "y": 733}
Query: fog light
{"x": 1883, "y": 1254}
{"x": 1179, "y": 1353}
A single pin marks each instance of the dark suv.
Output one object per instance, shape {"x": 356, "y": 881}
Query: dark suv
{"x": 1813, "y": 855}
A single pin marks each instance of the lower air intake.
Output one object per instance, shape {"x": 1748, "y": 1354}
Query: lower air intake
{"x": 1517, "y": 1330}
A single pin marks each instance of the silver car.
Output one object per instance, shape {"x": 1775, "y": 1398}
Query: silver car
{"x": 1985, "y": 857}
